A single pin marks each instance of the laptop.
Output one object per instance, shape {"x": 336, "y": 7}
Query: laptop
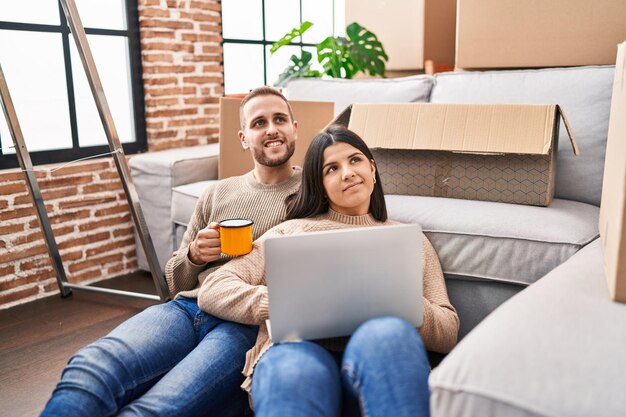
{"x": 325, "y": 284}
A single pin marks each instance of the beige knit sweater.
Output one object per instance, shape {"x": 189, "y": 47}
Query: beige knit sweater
{"x": 238, "y": 292}
{"x": 235, "y": 197}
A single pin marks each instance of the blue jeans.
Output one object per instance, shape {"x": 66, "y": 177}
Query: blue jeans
{"x": 171, "y": 359}
{"x": 383, "y": 372}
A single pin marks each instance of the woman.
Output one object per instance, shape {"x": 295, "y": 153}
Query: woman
{"x": 383, "y": 368}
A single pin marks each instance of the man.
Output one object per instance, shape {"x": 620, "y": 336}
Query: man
{"x": 172, "y": 358}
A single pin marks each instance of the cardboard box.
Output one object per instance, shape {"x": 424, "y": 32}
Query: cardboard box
{"x": 613, "y": 204}
{"x": 312, "y": 116}
{"x": 503, "y": 153}
{"x": 514, "y": 33}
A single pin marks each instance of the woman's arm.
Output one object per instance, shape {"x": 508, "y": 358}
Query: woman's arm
{"x": 237, "y": 291}
{"x": 441, "y": 322}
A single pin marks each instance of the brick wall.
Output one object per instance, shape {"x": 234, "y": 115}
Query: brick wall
{"x": 91, "y": 221}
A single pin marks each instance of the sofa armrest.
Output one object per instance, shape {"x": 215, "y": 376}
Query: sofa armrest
{"x": 554, "y": 349}
{"x": 154, "y": 175}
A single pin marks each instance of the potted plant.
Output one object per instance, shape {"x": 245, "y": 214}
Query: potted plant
{"x": 338, "y": 56}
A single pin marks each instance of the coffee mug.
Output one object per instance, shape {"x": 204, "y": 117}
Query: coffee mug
{"x": 236, "y": 236}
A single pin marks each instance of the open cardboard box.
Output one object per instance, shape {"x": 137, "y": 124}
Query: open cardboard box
{"x": 504, "y": 153}
{"x": 312, "y": 116}
{"x": 613, "y": 204}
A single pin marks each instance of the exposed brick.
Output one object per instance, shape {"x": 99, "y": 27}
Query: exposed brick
{"x": 212, "y": 49}
{"x": 155, "y": 125}
{"x": 205, "y": 5}
{"x": 28, "y": 279}
{"x": 115, "y": 269}
{"x": 72, "y": 256}
{"x": 202, "y": 100}
{"x": 172, "y": 24}
{"x": 201, "y": 17}
{"x": 13, "y": 188}
{"x": 104, "y": 186}
{"x": 165, "y": 134}
{"x": 211, "y": 111}
{"x": 199, "y": 37}
{"x": 200, "y": 58}
{"x": 148, "y": 3}
{"x": 31, "y": 237}
{"x": 172, "y": 112}
{"x": 158, "y": 58}
{"x": 211, "y": 27}
{"x": 2, "y": 244}
{"x": 85, "y": 276}
{"x": 6, "y": 270}
{"x": 160, "y": 81}
{"x": 35, "y": 263}
{"x": 81, "y": 202}
{"x": 3, "y": 204}
{"x": 102, "y": 260}
{"x": 22, "y": 254}
{"x": 149, "y": 33}
{"x": 115, "y": 245}
{"x": 11, "y": 228}
{"x": 17, "y": 213}
{"x": 164, "y": 145}
{"x": 83, "y": 240}
{"x": 158, "y": 102}
{"x": 154, "y": 12}
{"x": 168, "y": 69}
{"x": 104, "y": 223}
{"x": 214, "y": 68}
{"x": 65, "y": 181}
{"x": 163, "y": 46}
{"x": 66, "y": 217}
{"x": 122, "y": 208}
{"x": 18, "y": 295}
{"x": 204, "y": 131}
{"x": 18, "y": 175}
{"x": 123, "y": 232}
{"x": 48, "y": 195}
{"x": 173, "y": 91}
{"x": 81, "y": 168}
{"x": 190, "y": 122}
{"x": 202, "y": 80}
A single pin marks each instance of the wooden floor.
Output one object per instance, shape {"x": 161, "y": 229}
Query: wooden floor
{"x": 37, "y": 339}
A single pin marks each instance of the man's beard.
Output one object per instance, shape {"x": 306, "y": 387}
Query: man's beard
{"x": 264, "y": 160}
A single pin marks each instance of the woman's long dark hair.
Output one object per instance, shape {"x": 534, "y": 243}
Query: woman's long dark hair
{"x": 310, "y": 200}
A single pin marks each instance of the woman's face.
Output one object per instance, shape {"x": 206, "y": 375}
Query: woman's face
{"x": 348, "y": 179}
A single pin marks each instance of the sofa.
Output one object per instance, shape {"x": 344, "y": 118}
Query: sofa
{"x": 539, "y": 335}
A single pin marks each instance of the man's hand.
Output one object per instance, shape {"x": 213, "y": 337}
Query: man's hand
{"x": 206, "y": 246}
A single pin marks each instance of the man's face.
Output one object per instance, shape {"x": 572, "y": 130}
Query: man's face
{"x": 268, "y": 130}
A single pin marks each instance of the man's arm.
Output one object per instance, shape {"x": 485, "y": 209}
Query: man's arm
{"x": 200, "y": 246}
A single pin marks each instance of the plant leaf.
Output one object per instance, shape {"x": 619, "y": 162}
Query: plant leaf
{"x": 294, "y": 33}
{"x": 333, "y": 55}
{"x": 298, "y": 67}
{"x": 366, "y": 50}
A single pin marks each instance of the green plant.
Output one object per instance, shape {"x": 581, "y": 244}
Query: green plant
{"x": 339, "y": 57}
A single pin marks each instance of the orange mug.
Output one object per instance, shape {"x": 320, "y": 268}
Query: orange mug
{"x": 236, "y": 236}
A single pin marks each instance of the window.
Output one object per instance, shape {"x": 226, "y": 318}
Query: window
{"x": 251, "y": 26}
{"x": 49, "y": 87}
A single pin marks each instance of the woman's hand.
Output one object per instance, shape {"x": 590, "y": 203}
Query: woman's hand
{"x": 205, "y": 247}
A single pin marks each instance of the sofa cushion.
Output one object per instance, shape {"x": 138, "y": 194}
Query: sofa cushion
{"x": 497, "y": 241}
{"x": 184, "y": 199}
{"x": 554, "y": 349}
{"x": 345, "y": 92}
{"x": 585, "y": 96}
{"x": 154, "y": 174}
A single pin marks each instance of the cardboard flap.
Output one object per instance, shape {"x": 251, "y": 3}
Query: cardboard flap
{"x": 570, "y": 132}
{"x": 471, "y": 128}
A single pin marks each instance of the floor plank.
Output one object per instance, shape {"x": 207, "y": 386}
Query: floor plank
{"x": 38, "y": 338}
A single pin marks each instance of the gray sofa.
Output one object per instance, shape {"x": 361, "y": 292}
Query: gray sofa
{"x": 518, "y": 360}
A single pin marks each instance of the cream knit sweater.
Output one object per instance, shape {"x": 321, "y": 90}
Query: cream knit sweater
{"x": 235, "y": 197}
{"x": 237, "y": 291}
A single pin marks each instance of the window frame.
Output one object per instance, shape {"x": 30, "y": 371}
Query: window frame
{"x": 266, "y": 42}
{"x": 131, "y": 32}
